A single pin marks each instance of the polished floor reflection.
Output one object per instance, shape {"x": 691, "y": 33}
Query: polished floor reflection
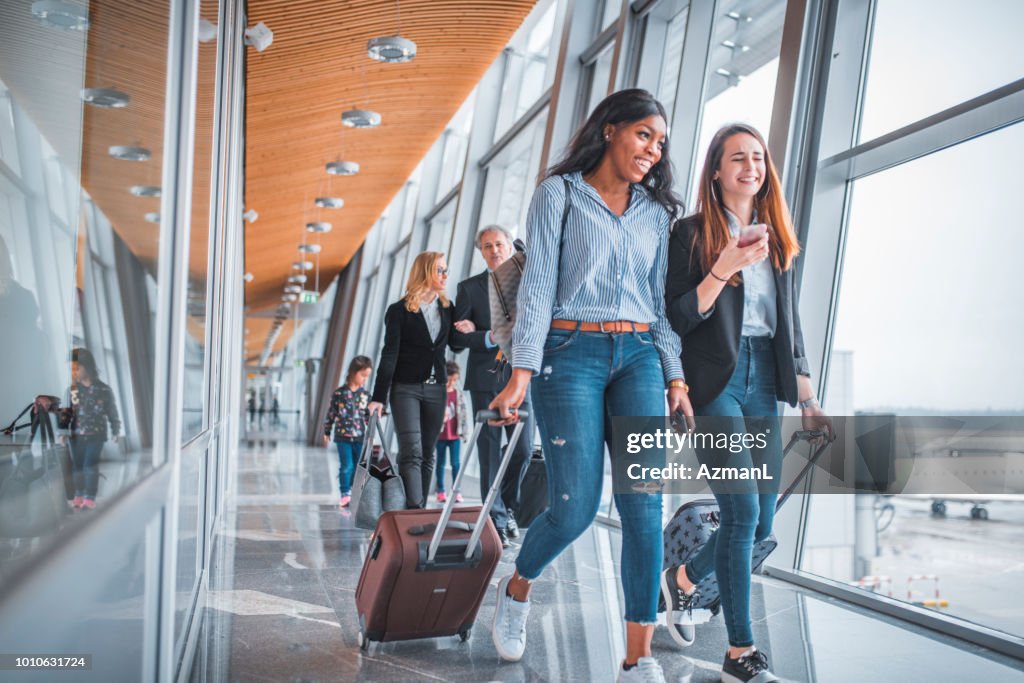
{"x": 286, "y": 563}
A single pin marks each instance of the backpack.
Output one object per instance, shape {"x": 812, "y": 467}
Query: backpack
{"x": 504, "y": 287}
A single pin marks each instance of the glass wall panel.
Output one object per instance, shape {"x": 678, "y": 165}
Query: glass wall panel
{"x": 529, "y": 65}
{"x": 971, "y": 47}
{"x": 668, "y": 79}
{"x": 81, "y": 129}
{"x": 599, "y": 74}
{"x": 742, "y": 65}
{"x": 928, "y": 323}
{"x": 439, "y": 230}
{"x": 455, "y": 140}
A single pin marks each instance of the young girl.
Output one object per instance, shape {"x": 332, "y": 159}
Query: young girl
{"x": 592, "y": 315}
{"x": 90, "y": 408}
{"x": 347, "y": 417}
{"x": 735, "y": 308}
{"x": 412, "y": 372}
{"x": 454, "y": 431}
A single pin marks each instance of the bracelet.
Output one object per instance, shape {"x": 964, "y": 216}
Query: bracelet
{"x": 812, "y": 402}
{"x": 720, "y": 279}
{"x": 679, "y": 384}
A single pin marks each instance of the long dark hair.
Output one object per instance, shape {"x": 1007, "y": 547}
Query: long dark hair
{"x": 358, "y": 364}
{"x": 86, "y": 360}
{"x": 587, "y": 147}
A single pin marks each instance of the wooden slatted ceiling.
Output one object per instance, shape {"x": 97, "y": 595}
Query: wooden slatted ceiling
{"x": 296, "y": 90}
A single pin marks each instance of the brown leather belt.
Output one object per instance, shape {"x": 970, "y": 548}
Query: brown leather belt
{"x": 613, "y": 327}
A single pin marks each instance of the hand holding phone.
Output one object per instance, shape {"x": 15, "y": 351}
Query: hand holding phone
{"x": 749, "y": 234}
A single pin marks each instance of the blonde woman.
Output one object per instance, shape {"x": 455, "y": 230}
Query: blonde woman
{"x": 412, "y": 371}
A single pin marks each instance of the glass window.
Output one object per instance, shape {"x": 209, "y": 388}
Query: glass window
{"x": 511, "y": 179}
{"x": 971, "y": 48}
{"x": 529, "y": 65}
{"x": 599, "y": 74}
{"x": 610, "y": 12}
{"x": 8, "y": 142}
{"x": 439, "y": 230}
{"x": 455, "y": 141}
{"x": 952, "y": 324}
{"x": 742, "y": 66}
{"x": 668, "y": 79}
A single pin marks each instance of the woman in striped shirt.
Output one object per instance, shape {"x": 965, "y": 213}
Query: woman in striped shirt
{"x": 592, "y": 329}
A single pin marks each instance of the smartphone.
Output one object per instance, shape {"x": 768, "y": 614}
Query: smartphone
{"x": 751, "y": 233}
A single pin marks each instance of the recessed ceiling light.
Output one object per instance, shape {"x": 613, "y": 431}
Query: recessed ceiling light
{"x": 207, "y": 30}
{"x": 152, "y": 217}
{"x": 299, "y": 278}
{"x": 392, "y": 49}
{"x": 66, "y": 16}
{"x": 343, "y": 168}
{"x": 129, "y": 153}
{"x": 330, "y": 202}
{"x": 145, "y": 190}
{"x": 293, "y": 289}
{"x": 309, "y": 248}
{"x": 290, "y": 298}
{"x": 107, "y": 98}
{"x": 360, "y": 118}
{"x": 303, "y": 265}
{"x": 318, "y": 226}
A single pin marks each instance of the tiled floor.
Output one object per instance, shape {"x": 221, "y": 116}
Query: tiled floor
{"x": 282, "y": 608}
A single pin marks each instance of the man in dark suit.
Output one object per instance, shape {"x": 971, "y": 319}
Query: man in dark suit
{"x": 472, "y": 304}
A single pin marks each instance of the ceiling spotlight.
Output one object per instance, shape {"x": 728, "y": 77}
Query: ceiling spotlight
{"x": 152, "y": 217}
{"x": 360, "y": 118}
{"x": 145, "y": 190}
{"x": 107, "y": 98}
{"x": 391, "y": 49}
{"x": 298, "y": 278}
{"x": 207, "y": 30}
{"x": 259, "y": 36}
{"x": 129, "y": 153}
{"x": 309, "y": 248}
{"x": 303, "y": 265}
{"x": 293, "y": 289}
{"x": 248, "y": 277}
{"x": 290, "y": 298}
{"x": 251, "y": 215}
{"x": 318, "y": 226}
{"x": 66, "y": 16}
{"x": 343, "y": 168}
{"x": 330, "y": 202}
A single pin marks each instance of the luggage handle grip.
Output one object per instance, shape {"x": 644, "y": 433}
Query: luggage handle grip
{"x": 421, "y": 529}
{"x": 485, "y": 415}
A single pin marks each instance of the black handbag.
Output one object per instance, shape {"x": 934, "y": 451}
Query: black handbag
{"x": 32, "y": 494}
{"x": 376, "y": 487}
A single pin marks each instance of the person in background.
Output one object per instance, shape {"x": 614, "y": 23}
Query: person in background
{"x": 347, "y": 418}
{"x": 453, "y": 432}
{"x": 731, "y": 297}
{"x": 591, "y": 330}
{"x": 412, "y": 372}
{"x": 89, "y": 410}
{"x": 485, "y": 377}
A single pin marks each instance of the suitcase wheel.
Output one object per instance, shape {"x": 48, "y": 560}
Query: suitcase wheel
{"x": 364, "y": 642}
{"x": 464, "y": 634}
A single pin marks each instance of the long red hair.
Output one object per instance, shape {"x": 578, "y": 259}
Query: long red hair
{"x": 713, "y": 232}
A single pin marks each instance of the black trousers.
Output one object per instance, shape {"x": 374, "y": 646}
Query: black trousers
{"x": 418, "y": 411}
{"x": 489, "y": 448}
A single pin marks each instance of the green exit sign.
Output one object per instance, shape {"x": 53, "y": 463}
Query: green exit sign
{"x": 309, "y": 297}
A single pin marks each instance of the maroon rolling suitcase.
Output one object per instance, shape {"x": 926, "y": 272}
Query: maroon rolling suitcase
{"x": 426, "y": 571}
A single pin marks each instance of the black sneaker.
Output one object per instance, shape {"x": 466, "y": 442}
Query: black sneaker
{"x": 678, "y": 609}
{"x": 503, "y": 537}
{"x": 512, "y": 528}
{"x": 750, "y": 668}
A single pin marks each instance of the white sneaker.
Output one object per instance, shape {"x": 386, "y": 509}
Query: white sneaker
{"x": 647, "y": 670}
{"x": 509, "y": 628}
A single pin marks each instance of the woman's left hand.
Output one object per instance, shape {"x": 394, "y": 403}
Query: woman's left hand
{"x": 679, "y": 402}
{"x": 465, "y": 326}
{"x": 815, "y": 419}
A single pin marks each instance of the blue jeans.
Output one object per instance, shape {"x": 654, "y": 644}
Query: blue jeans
{"x": 585, "y": 379}
{"x": 445, "y": 446}
{"x": 348, "y": 456}
{"x": 85, "y": 458}
{"x": 747, "y": 404}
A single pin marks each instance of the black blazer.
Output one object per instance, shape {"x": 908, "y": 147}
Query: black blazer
{"x": 472, "y": 302}
{"x": 409, "y": 353}
{"x": 711, "y": 346}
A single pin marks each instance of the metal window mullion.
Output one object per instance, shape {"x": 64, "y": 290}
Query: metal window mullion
{"x": 178, "y": 147}
{"x": 518, "y": 127}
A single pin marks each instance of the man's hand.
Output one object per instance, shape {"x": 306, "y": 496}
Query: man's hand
{"x": 465, "y": 326}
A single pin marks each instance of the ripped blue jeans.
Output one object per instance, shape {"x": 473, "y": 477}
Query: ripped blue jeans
{"x": 586, "y": 378}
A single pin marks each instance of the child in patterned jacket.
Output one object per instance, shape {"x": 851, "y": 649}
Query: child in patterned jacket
{"x": 347, "y": 418}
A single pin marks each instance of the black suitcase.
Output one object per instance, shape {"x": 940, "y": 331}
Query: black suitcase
{"x": 694, "y": 522}
{"x": 533, "y": 492}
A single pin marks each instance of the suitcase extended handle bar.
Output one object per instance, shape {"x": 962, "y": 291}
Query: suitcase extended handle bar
{"x": 481, "y": 417}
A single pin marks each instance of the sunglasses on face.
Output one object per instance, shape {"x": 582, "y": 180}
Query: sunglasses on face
{"x": 442, "y": 271}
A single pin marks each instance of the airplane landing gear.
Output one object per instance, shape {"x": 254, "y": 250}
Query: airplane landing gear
{"x": 938, "y": 508}
{"x": 978, "y": 512}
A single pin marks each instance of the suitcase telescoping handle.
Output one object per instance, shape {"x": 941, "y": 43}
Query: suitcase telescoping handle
{"x": 803, "y": 435}
{"x": 481, "y": 417}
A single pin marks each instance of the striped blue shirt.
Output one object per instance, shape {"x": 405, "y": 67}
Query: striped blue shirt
{"x": 612, "y": 268}
{"x": 759, "y": 312}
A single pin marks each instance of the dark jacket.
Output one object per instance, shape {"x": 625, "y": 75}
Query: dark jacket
{"x": 711, "y": 345}
{"x": 472, "y": 302}
{"x": 409, "y": 353}
{"x": 89, "y": 409}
